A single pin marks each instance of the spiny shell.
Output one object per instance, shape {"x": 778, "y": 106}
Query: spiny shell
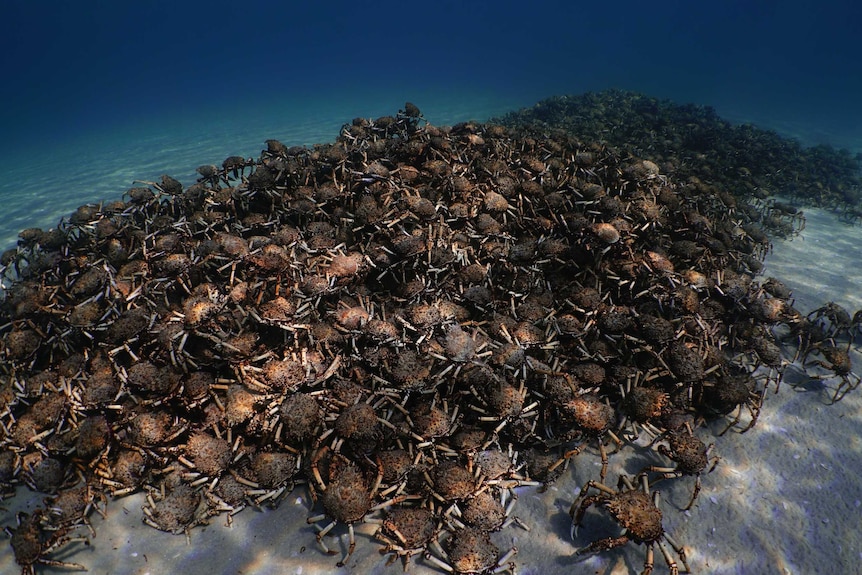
{"x": 606, "y": 232}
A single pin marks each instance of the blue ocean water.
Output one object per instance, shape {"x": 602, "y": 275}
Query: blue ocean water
{"x": 99, "y": 94}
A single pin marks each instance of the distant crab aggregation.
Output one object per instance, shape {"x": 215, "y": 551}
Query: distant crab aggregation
{"x": 410, "y": 322}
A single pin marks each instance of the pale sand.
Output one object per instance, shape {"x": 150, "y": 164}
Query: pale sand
{"x": 786, "y": 496}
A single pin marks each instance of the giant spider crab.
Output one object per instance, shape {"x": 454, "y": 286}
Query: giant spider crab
{"x": 636, "y": 512}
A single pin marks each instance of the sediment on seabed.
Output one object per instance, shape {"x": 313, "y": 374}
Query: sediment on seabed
{"x": 411, "y": 321}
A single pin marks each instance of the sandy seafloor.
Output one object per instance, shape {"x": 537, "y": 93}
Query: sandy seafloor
{"x": 786, "y": 497}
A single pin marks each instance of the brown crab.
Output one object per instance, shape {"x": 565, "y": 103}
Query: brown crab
{"x": 227, "y": 494}
{"x": 733, "y": 390}
{"x": 641, "y": 404}
{"x": 31, "y": 542}
{"x": 833, "y": 318}
{"x": 406, "y": 531}
{"x": 471, "y": 552}
{"x": 691, "y": 456}
{"x": 174, "y": 509}
{"x": 837, "y": 361}
{"x": 489, "y": 510}
{"x": 347, "y": 498}
{"x": 273, "y": 471}
{"x": 636, "y": 512}
{"x": 72, "y": 507}
{"x": 450, "y": 481}
{"x": 206, "y": 456}
{"x": 588, "y": 416}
